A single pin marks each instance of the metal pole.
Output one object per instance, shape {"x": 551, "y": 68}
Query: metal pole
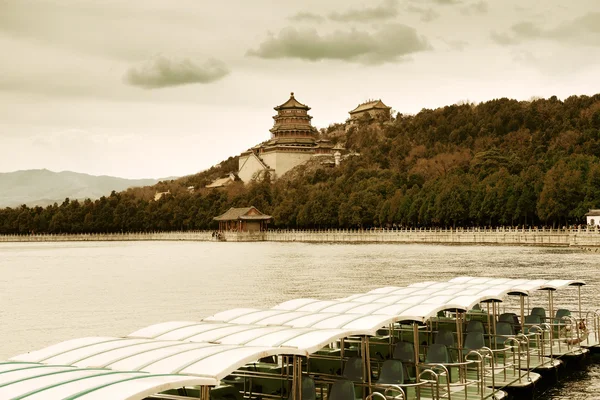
{"x": 459, "y": 340}
{"x": 368, "y": 359}
{"x": 494, "y": 319}
{"x": 522, "y": 300}
{"x": 489, "y": 323}
{"x": 294, "y": 379}
{"x": 416, "y": 346}
{"x": 579, "y": 300}
{"x": 299, "y": 377}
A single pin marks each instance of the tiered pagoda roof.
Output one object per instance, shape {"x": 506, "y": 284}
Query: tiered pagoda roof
{"x": 292, "y": 123}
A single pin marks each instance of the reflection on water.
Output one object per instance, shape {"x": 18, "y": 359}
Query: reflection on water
{"x": 51, "y": 292}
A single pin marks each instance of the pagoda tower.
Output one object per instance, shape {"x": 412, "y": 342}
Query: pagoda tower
{"x": 293, "y": 142}
{"x": 292, "y": 124}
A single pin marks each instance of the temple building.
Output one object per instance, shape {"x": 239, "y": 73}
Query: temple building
{"x": 246, "y": 219}
{"x": 593, "y": 218}
{"x": 374, "y": 108}
{"x": 293, "y": 142}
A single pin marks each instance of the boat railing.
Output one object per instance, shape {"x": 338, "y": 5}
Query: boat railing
{"x": 563, "y": 329}
{"x": 401, "y": 387}
{"x": 535, "y": 338}
{"x": 443, "y": 370}
{"x": 524, "y": 339}
{"x": 401, "y": 393}
{"x": 481, "y": 375}
{"x": 376, "y": 395}
{"x": 593, "y": 326}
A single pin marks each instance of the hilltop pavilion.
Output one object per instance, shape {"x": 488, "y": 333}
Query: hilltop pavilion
{"x": 293, "y": 142}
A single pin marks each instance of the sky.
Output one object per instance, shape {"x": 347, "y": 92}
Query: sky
{"x": 159, "y": 88}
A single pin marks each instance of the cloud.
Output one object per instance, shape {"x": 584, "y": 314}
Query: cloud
{"x": 389, "y": 43}
{"x": 306, "y": 17}
{"x": 162, "y": 72}
{"x": 481, "y": 7}
{"x": 427, "y": 14}
{"x": 447, "y": 2}
{"x": 581, "y": 30}
{"x": 386, "y": 10}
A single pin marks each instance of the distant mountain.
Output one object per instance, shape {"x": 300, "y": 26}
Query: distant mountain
{"x": 43, "y": 187}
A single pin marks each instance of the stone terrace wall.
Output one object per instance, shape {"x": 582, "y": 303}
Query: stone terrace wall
{"x": 499, "y": 236}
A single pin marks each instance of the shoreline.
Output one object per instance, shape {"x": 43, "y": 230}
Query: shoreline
{"x": 588, "y": 240}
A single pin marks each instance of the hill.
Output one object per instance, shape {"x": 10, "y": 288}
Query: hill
{"x": 501, "y": 162}
{"x": 43, "y": 187}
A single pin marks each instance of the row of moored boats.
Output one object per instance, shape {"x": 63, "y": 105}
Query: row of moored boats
{"x": 468, "y": 338}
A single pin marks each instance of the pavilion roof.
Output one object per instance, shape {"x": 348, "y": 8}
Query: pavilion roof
{"x": 593, "y": 213}
{"x": 292, "y": 103}
{"x": 370, "y": 105}
{"x": 243, "y": 213}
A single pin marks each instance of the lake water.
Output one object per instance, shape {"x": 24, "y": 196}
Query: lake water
{"x": 50, "y": 292}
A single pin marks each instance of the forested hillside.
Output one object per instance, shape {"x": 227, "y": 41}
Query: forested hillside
{"x": 502, "y": 162}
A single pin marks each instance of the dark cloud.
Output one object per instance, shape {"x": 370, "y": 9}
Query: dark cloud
{"x": 306, "y": 17}
{"x": 581, "y": 30}
{"x": 427, "y": 14}
{"x": 162, "y": 72}
{"x": 386, "y": 10}
{"x": 389, "y": 43}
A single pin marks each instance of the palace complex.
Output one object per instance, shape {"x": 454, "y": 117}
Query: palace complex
{"x": 294, "y": 141}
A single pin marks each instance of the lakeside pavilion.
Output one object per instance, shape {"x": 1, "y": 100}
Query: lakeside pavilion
{"x": 245, "y": 219}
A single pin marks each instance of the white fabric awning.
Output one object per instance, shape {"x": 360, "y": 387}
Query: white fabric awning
{"x": 306, "y": 340}
{"x": 48, "y": 382}
{"x": 210, "y": 361}
{"x": 525, "y": 284}
{"x": 303, "y": 319}
{"x": 411, "y": 311}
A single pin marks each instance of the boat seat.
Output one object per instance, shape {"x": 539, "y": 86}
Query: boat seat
{"x": 475, "y": 326}
{"x": 353, "y": 370}
{"x": 503, "y": 330}
{"x": 506, "y": 317}
{"x": 445, "y": 337}
{"x": 532, "y": 320}
{"x": 562, "y": 312}
{"x": 539, "y": 311}
{"x": 309, "y": 391}
{"x": 392, "y": 373}
{"x": 405, "y": 352}
{"x": 342, "y": 389}
{"x": 437, "y": 354}
{"x": 474, "y": 341}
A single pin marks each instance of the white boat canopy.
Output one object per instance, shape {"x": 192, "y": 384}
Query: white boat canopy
{"x": 210, "y": 361}
{"x": 528, "y": 284}
{"x": 307, "y": 340}
{"x": 403, "y": 306}
{"x": 370, "y": 316}
{"x": 48, "y": 382}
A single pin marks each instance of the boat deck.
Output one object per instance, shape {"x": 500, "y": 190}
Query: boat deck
{"x": 540, "y": 363}
{"x": 471, "y": 393}
{"x": 512, "y": 378}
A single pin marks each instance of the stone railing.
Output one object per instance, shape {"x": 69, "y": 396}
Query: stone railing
{"x": 111, "y": 237}
{"x": 506, "y": 236}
